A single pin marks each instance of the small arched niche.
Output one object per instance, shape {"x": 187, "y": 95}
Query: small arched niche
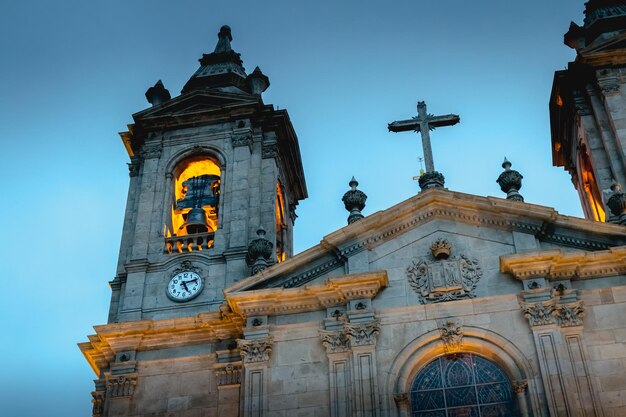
{"x": 196, "y": 186}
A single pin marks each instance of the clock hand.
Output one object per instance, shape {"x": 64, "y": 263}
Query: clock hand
{"x": 184, "y": 284}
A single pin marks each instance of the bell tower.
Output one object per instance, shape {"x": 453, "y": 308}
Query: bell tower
{"x": 587, "y": 107}
{"x": 207, "y": 169}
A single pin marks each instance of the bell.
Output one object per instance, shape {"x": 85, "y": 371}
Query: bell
{"x": 196, "y": 221}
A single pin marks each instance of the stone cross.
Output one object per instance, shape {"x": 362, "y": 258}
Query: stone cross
{"x": 423, "y": 124}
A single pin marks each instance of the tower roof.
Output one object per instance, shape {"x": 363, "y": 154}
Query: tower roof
{"x": 222, "y": 69}
{"x": 603, "y": 19}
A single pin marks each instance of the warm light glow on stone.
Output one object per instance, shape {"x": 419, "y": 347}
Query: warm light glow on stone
{"x": 192, "y": 168}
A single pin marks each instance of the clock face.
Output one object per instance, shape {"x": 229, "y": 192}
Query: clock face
{"x": 184, "y": 286}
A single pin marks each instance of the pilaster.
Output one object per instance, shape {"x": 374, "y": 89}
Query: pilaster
{"x": 555, "y": 316}
{"x": 350, "y": 341}
{"x": 255, "y": 351}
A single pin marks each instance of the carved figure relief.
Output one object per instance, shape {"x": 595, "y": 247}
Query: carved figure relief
{"x": 445, "y": 278}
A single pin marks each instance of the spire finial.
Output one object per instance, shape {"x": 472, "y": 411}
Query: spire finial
{"x": 354, "y": 201}
{"x": 224, "y": 38}
{"x": 510, "y": 182}
{"x": 157, "y": 94}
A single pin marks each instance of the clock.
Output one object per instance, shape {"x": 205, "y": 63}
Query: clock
{"x": 184, "y": 286}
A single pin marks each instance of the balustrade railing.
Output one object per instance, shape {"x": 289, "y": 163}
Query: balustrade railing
{"x": 189, "y": 243}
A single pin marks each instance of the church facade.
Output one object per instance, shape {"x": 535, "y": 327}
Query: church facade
{"x": 446, "y": 304}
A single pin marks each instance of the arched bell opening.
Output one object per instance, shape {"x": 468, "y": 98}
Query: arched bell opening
{"x": 196, "y": 183}
{"x": 281, "y": 224}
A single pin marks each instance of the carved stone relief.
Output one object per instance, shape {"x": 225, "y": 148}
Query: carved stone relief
{"x": 255, "y": 350}
{"x": 539, "y": 314}
{"x": 335, "y": 342}
{"x": 228, "y": 375}
{"x": 572, "y": 314}
{"x": 452, "y": 336}
{"x": 121, "y": 385}
{"x": 444, "y": 279}
{"x": 361, "y": 334}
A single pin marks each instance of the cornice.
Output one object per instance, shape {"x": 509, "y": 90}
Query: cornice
{"x": 141, "y": 335}
{"x": 557, "y": 264}
{"x": 544, "y": 222}
{"x": 334, "y": 291}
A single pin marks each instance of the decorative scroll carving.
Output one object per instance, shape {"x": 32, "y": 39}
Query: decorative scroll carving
{"x": 121, "y": 386}
{"x": 269, "y": 151}
{"x": 335, "y": 342}
{"x": 152, "y": 151}
{"x": 255, "y": 350}
{"x": 361, "y": 334}
{"x": 228, "y": 375}
{"x": 445, "y": 279}
{"x": 571, "y": 314}
{"x": 401, "y": 398}
{"x": 242, "y": 140}
{"x": 98, "y": 403}
{"x": 580, "y": 103}
{"x": 520, "y": 387}
{"x": 539, "y": 314}
{"x": 452, "y": 336}
{"x": 133, "y": 167}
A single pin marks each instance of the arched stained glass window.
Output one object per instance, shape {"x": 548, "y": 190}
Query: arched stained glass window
{"x": 462, "y": 385}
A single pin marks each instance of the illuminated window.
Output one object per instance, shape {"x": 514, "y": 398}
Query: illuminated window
{"x": 590, "y": 186}
{"x": 281, "y": 224}
{"x": 462, "y": 385}
{"x": 196, "y": 197}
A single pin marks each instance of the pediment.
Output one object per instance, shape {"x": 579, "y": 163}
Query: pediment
{"x": 396, "y": 226}
{"x": 196, "y": 102}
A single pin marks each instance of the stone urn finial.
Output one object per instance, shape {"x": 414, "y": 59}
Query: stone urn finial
{"x": 259, "y": 252}
{"x": 354, "y": 201}
{"x": 617, "y": 202}
{"x": 510, "y": 182}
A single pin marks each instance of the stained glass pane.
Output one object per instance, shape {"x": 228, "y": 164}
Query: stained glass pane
{"x": 496, "y": 410}
{"x": 493, "y": 393}
{"x": 427, "y": 400}
{"x": 462, "y": 385}
{"x": 429, "y": 377}
{"x": 463, "y": 412}
{"x": 440, "y": 413}
{"x": 457, "y": 371}
{"x": 487, "y": 371}
{"x": 461, "y": 396}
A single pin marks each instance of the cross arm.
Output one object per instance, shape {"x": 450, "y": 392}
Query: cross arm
{"x": 446, "y": 120}
{"x": 403, "y": 125}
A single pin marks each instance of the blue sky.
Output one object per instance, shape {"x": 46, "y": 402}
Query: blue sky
{"x": 73, "y": 72}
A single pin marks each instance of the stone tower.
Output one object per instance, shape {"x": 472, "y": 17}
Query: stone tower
{"x": 587, "y": 107}
{"x": 207, "y": 169}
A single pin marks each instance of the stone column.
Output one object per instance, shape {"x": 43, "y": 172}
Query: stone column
{"x": 255, "y": 354}
{"x": 519, "y": 388}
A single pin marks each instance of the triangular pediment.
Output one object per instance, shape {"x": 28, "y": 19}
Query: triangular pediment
{"x": 434, "y": 213}
{"x": 195, "y": 103}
